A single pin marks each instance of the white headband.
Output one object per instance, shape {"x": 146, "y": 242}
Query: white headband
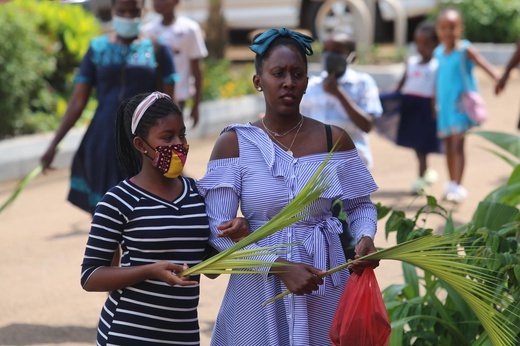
{"x": 144, "y": 105}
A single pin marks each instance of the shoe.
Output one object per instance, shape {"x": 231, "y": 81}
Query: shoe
{"x": 419, "y": 186}
{"x": 449, "y": 190}
{"x": 431, "y": 176}
{"x": 460, "y": 195}
{"x": 455, "y": 193}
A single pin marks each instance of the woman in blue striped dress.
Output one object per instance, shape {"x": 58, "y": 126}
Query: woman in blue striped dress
{"x": 159, "y": 220}
{"x": 260, "y": 167}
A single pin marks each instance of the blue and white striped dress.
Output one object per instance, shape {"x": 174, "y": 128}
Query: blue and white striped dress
{"x": 149, "y": 229}
{"x": 263, "y": 180}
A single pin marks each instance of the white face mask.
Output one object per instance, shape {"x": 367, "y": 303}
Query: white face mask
{"x": 126, "y": 27}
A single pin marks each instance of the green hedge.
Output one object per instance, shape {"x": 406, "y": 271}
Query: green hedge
{"x": 41, "y": 47}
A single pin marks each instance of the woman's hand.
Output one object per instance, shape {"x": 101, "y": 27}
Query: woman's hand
{"x": 299, "y": 278}
{"x": 364, "y": 247}
{"x": 235, "y": 229}
{"x": 47, "y": 158}
{"x": 168, "y": 272}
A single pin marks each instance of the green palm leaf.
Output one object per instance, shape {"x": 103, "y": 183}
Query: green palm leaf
{"x": 20, "y": 186}
{"x": 438, "y": 255}
{"x": 493, "y": 215}
{"x": 507, "y": 141}
{"x": 293, "y": 212}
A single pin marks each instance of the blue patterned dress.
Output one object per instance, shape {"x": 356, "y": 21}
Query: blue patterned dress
{"x": 263, "y": 180}
{"x": 116, "y": 72}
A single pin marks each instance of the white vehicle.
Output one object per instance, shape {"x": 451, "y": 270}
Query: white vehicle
{"x": 367, "y": 20}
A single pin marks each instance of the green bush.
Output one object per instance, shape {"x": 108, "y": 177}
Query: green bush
{"x": 25, "y": 64}
{"x": 42, "y": 45}
{"x": 496, "y": 21}
{"x": 224, "y": 80}
{"x": 69, "y": 28}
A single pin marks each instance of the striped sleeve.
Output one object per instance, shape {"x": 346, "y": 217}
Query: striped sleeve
{"x": 361, "y": 216}
{"x": 221, "y": 188}
{"x": 105, "y": 234}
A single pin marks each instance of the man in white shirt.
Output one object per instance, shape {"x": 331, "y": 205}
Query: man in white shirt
{"x": 184, "y": 37}
{"x": 343, "y": 97}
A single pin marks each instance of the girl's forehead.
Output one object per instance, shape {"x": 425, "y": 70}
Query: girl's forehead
{"x": 171, "y": 122}
{"x": 449, "y": 17}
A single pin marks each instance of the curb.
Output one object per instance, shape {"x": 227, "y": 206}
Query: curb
{"x": 20, "y": 155}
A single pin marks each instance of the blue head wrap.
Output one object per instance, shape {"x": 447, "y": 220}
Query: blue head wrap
{"x": 262, "y": 42}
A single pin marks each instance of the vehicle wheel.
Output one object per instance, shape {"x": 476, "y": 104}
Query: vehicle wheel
{"x": 333, "y": 15}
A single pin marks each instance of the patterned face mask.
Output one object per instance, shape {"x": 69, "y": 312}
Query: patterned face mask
{"x": 170, "y": 159}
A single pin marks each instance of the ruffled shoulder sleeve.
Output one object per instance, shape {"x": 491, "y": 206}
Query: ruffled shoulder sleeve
{"x": 349, "y": 177}
{"x": 223, "y": 173}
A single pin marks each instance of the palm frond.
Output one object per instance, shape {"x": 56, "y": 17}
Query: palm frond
{"x": 293, "y": 212}
{"x": 507, "y": 141}
{"x": 439, "y": 255}
{"x": 20, "y": 186}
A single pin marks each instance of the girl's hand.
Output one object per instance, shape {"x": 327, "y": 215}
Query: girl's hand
{"x": 299, "y": 278}
{"x": 235, "y": 229}
{"x": 168, "y": 272}
{"x": 501, "y": 84}
{"x": 364, "y": 247}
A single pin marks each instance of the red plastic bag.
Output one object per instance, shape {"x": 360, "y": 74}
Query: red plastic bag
{"x": 361, "y": 318}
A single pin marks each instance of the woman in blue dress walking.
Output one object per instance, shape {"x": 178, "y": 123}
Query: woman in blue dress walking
{"x": 260, "y": 167}
{"x": 117, "y": 65}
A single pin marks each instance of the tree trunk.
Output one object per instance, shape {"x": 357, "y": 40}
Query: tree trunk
{"x": 216, "y": 31}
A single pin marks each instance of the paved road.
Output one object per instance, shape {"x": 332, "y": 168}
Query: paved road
{"x": 42, "y": 236}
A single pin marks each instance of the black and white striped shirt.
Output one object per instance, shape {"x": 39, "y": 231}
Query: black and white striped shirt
{"x": 149, "y": 229}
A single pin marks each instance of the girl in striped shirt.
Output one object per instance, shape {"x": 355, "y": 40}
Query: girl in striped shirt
{"x": 159, "y": 219}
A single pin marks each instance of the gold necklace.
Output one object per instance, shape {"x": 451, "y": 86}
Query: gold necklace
{"x": 276, "y": 134}
{"x": 288, "y": 148}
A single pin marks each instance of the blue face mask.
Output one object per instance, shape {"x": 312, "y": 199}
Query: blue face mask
{"x": 126, "y": 27}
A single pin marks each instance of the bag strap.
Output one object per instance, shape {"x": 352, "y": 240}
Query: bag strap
{"x": 329, "y": 137}
{"x": 463, "y": 57}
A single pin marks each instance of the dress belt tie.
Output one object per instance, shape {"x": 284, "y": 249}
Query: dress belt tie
{"x": 320, "y": 246}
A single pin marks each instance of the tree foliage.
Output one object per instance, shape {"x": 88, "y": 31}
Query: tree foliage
{"x": 495, "y": 21}
{"x": 42, "y": 45}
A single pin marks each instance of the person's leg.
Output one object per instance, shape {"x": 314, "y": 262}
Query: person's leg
{"x": 451, "y": 157}
{"x": 420, "y": 184}
{"x": 421, "y": 159}
{"x": 459, "y": 158}
{"x": 455, "y": 158}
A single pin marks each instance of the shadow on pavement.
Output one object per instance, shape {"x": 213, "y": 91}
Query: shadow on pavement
{"x": 32, "y": 334}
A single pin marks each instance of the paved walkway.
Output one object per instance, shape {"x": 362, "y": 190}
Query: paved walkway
{"x": 42, "y": 236}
